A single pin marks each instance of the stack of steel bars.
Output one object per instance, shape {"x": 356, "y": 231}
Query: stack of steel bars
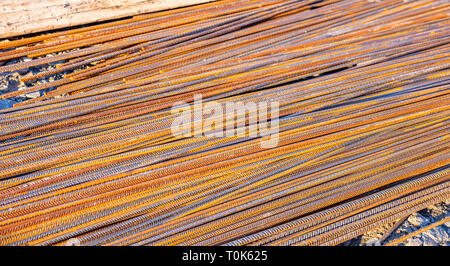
{"x": 363, "y": 94}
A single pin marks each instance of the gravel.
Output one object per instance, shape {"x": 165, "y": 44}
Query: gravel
{"x": 11, "y": 81}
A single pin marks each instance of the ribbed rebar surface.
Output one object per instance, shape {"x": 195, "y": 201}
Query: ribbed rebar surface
{"x": 363, "y": 93}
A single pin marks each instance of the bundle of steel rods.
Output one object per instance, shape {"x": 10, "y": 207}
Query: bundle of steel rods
{"x": 362, "y": 89}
